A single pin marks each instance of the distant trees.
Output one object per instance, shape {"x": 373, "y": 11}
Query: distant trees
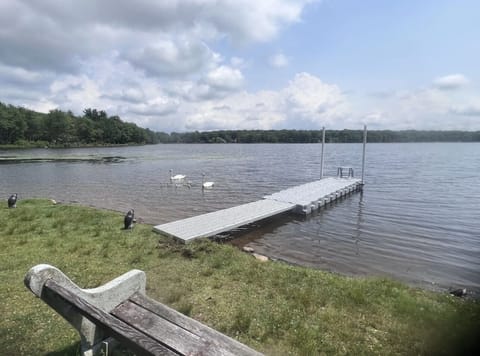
{"x": 314, "y": 136}
{"x": 58, "y": 128}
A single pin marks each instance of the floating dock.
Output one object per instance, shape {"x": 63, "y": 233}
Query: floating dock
{"x": 302, "y": 199}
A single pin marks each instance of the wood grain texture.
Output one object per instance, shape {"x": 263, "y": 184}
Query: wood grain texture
{"x": 166, "y": 333}
{"x": 227, "y": 344}
{"x": 146, "y": 326}
{"x": 133, "y": 339}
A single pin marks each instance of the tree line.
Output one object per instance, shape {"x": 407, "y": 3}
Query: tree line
{"x": 20, "y": 126}
{"x": 315, "y": 136}
{"x": 24, "y": 127}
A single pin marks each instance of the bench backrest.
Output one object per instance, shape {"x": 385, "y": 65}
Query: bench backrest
{"x": 136, "y": 341}
{"x": 120, "y": 312}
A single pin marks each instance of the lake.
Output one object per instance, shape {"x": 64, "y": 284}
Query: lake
{"x": 417, "y": 220}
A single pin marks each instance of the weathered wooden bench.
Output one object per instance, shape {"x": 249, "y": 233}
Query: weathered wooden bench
{"x": 119, "y": 312}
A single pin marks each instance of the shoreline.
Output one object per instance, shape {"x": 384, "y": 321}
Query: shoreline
{"x": 8, "y": 147}
{"x": 273, "y": 307}
{"x": 235, "y": 238}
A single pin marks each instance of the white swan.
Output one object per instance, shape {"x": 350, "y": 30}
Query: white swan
{"x": 177, "y": 177}
{"x": 206, "y": 185}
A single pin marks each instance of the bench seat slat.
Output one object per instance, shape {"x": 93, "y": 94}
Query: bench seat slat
{"x": 136, "y": 341}
{"x": 165, "y": 332}
{"x": 224, "y": 342}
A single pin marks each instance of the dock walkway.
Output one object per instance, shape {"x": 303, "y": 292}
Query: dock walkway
{"x": 303, "y": 199}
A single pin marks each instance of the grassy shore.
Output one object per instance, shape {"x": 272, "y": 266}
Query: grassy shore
{"x": 273, "y": 307}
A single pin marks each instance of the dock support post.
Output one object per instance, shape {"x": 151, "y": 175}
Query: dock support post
{"x": 321, "y": 159}
{"x": 363, "y": 157}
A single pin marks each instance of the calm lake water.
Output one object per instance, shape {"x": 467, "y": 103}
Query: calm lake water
{"x": 417, "y": 220}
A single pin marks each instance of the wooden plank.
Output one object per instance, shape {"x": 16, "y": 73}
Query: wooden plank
{"x": 136, "y": 341}
{"x": 193, "y": 325}
{"x": 165, "y": 332}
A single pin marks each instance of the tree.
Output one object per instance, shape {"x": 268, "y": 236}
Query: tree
{"x": 59, "y": 127}
{"x": 95, "y": 115}
{"x": 12, "y": 124}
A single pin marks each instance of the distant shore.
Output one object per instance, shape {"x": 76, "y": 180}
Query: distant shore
{"x": 31, "y": 145}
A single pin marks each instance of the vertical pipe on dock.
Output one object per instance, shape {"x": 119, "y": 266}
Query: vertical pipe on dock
{"x": 363, "y": 157}
{"x": 321, "y": 159}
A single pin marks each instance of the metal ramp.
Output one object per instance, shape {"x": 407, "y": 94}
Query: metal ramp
{"x": 211, "y": 224}
{"x": 303, "y": 199}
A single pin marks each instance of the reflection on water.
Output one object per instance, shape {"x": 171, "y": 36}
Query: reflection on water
{"x": 417, "y": 219}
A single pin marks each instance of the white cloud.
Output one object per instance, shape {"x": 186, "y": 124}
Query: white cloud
{"x": 41, "y": 105}
{"x": 238, "y": 111}
{"x": 249, "y": 20}
{"x": 431, "y": 108}
{"x": 278, "y": 60}
{"x": 129, "y": 95}
{"x": 306, "y": 102}
{"x": 376, "y": 118}
{"x": 450, "y": 82}
{"x": 54, "y": 35}
{"x": 161, "y": 106}
{"x": 467, "y": 110}
{"x": 421, "y": 108}
{"x": 163, "y": 64}
{"x": 173, "y": 58}
{"x": 217, "y": 83}
{"x": 123, "y": 56}
{"x": 225, "y": 78}
{"x": 76, "y": 93}
{"x": 237, "y": 62}
{"x": 314, "y": 102}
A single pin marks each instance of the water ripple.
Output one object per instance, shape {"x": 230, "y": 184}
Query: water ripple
{"x": 417, "y": 219}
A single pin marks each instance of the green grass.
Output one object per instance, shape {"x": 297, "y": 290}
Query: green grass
{"x": 273, "y": 307}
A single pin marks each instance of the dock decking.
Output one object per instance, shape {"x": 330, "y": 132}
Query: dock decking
{"x": 303, "y": 199}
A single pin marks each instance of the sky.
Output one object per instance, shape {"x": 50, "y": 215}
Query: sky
{"x": 185, "y": 65}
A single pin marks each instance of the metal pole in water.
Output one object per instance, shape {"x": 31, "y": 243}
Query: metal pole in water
{"x": 321, "y": 160}
{"x": 364, "y": 146}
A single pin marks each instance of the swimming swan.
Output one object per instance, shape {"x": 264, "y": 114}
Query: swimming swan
{"x": 177, "y": 177}
{"x": 206, "y": 185}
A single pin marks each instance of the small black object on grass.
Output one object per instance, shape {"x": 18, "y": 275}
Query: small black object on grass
{"x": 129, "y": 219}
{"x": 461, "y": 292}
{"x": 12, "y": 201}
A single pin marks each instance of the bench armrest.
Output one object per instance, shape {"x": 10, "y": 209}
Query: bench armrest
{"x": 105, "y": 297}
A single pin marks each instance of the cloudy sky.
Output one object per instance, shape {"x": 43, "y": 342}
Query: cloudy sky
{"x": 183, "y": 65}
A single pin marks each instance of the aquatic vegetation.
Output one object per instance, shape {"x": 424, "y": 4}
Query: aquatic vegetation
{"x": 31, "y": 159}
